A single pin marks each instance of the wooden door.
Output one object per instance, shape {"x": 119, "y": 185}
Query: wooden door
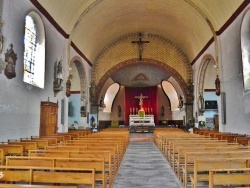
{"x": 48, "y": 118}
{"x": 216, "y": 122}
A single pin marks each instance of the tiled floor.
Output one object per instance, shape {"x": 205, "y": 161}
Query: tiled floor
{"x": 143, "y": 166}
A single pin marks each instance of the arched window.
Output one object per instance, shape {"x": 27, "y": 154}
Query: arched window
{"x": 34, "y": 50}
{"x": 245, "y": 50}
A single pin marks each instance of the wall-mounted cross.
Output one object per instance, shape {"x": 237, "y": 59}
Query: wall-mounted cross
{"x": 140, "y": 43}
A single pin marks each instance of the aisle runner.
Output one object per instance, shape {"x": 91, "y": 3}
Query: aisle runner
{"x": 141, "y": 137}
{"x": 143, "y": 166}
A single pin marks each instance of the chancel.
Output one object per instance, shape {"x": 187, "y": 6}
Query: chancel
{"x": 141, "y": 122}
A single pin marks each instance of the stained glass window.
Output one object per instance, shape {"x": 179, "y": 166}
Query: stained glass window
{"x": 34, "y": 50}
{"x": 30, "y": 48}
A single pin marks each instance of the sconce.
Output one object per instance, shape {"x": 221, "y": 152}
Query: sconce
{"x": 180, "y": 106}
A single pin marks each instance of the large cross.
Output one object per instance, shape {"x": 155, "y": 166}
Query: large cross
{"x": 141, "y": 97}
{"x": 140, "y": 43}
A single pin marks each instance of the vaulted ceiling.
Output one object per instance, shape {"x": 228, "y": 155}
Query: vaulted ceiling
{"x": 93, "y": 24}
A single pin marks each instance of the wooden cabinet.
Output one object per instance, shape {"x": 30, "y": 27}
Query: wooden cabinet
{"x": 48, "y": 118}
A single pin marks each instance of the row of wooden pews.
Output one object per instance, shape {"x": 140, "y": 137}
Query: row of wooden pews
{"x": 241, "y": 139}
{"x": 205, "y": 159}
{"x": 74, "y": 159}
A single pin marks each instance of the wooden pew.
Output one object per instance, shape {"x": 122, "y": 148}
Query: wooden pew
{"x": 188, "y": 142}
{"x": 230, "y": 177}
{"x": 121, "y": 141}
{"x": 51, "y": 140}
{"x": 41, "y": 143}
{"x": 12, "y": 149}
{"x": 112, "y": 149}
{"x": 190, "y": 157}
{"x": 180, "y": 161}
{"x": 7, "y": 150}
{"x": 85, "y": 163}
{"x": 202, "y": 167}
{"x": 106, "y": 155}
{"x": 26, "y": 146}
{"x": 81, "y": 132}
{"x": 2, "y": 157}
{"x": 59, "y": 138}
{"x": 160, "y": 132}
{"x": 230, "y": 138}
{"x": 4, "y": 185}
{"x": 242, "y": 140}
{"x": 48, "y": 175}
{"x": 96, "y": 143}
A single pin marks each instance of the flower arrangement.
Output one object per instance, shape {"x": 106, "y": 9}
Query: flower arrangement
{"x": 202, "y": 123}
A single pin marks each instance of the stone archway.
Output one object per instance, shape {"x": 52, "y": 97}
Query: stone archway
{"x": 205, "y": 91}
{"x": 163, "y": 66}
{"x": 83, "y": 78}
{"x": 208, "y": 58}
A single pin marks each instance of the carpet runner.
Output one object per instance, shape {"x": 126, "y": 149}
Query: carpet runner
{"x": 143, "y": 166}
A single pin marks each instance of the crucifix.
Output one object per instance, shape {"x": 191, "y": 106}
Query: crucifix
{"x": 140, "y": 43}
{"x": 141, "y": 97}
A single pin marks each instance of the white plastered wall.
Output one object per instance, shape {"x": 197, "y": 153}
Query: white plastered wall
{"x": 20, "y": 102}
{"x": 237, "y": 101}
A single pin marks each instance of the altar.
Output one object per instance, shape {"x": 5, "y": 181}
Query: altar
{"x": 141, "y": 124}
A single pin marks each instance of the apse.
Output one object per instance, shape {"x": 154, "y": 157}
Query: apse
{"x": 131, "y": 101}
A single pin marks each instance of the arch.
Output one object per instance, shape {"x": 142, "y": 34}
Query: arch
{"x": 163, "y": 66}
{"x": 171, "y": 93}
{"x": 110, "y": 95}
{"x": 83, "y": 78}
{"x": 208, "y": 58}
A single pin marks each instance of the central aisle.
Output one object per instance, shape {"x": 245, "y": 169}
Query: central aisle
{"x": 143, "y": 166}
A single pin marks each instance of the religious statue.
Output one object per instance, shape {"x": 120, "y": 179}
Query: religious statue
{"x": 57, "y": 84}
{"x": 119, "y": 111}
{"x": 201, "y": 104}
{"x": 10, "y": 58}
{"x": 1, "y": 37}
{"x": 92, "y": 120}
{"x": 59, "y": 76}
{"x": 162, "y": 111}
{"x": 68, "y": 86}
{"x": 217, "y": 86}
{"x": 190, "y": 92}
{"x": 92, "y": 90}
{"x": 141, "y": 97}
